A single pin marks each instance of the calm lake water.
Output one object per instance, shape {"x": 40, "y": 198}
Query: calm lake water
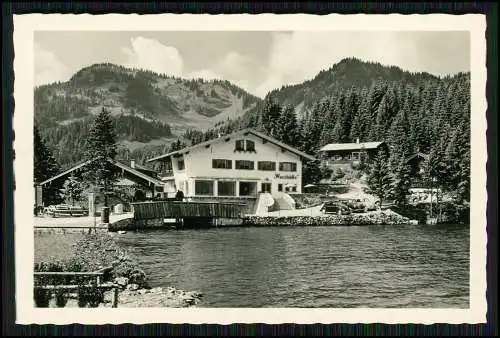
{"x": 369, "y": 266}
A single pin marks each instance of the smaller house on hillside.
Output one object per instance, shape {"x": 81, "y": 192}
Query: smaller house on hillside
{"x": 349, "y": 153}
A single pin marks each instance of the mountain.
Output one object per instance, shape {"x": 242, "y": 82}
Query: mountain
{"x": 148, "y": 108}
{"x": 348, "y": 73}
{"x": 145, "y": 94}
{"x": 350, "y": 100}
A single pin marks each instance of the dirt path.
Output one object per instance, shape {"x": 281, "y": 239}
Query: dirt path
{"x": 70, "y": 222}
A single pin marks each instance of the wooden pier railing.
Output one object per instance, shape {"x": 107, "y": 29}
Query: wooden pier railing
{"x": 176, "y": 209}
{"x": 56, "y": 281}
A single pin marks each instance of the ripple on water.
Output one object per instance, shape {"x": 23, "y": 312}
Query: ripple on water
{"x": 379, "y": 266}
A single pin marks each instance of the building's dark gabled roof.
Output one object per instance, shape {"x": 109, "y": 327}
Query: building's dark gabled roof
{"x": 418, "y": 154}
{"x": 242, "y": 132}
{"x": 120, "y": 165}
{"x": 66, "y": 172}
{"x": 351, "y": 146}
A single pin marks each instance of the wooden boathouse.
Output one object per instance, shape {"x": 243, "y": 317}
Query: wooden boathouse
{"x": 153, "y": 214}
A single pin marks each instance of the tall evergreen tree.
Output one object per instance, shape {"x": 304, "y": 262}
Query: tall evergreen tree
{"x": 401, "y": 182}
{"x": 312, "y": 129}
{"x": 270, "y": 116}
{"x": 287, "y": 129}
{"x": 45, "y": 167}
{"x": 100, "y": 149}
{"x": 379, "y": 179}
{"x": 340, "y": 132}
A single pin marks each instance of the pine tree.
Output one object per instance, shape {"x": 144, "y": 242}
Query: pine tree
{"x": 45, "y": 166}
{"x": 270, "y": 116}
{"x": 312, "y": 130}
{"x": 311, "y": 172}
{"x": 379, "y": 180}
{"x": 287, "y": 129}
{"x": 100, "y": 149}
{"x": 340, "y": 132}
{"x": 328, "y": 125}
{"x": 398, "y": 135}
{"x": 401, "y": 182}
{"x": 72, "y": 190}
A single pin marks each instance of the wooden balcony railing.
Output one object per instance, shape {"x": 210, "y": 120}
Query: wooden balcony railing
{"x": 166, "y": 173}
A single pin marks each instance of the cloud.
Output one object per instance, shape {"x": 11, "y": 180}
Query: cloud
{"x": 232, "y": 67}
{"x": 152, "y": 55}
{"x": 48, "y": 68}
{"x": 233, "y": 64}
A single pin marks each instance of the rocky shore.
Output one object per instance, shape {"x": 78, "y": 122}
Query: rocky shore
{"x": 386, "y": 217}
{"x": 99, "y": 252}
{"x": 155, "y": 297}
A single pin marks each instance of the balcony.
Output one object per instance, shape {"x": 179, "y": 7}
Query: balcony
{"x": 166, "y": 173}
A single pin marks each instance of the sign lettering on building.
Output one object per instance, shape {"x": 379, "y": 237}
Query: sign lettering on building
{"x": 286, "y": 177}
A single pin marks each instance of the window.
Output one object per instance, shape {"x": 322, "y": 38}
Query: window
{"x": 180, "y": 165}
{"x": 355, "y": 156}
{"x": 338, "y": 157}
{"x": 248, "y": 188}
{"x": 226, "y": 188}
{"x": 244, "y": 145}
{"x": 205, "y": 188}
{"x": 265, "y": 187}
{"x": 267, "y": 166}
{"x": 288, "y": 166}
{"x": 250, "y": 145}
{"x": 221, "y": 164}
{"x": 245, "y": 165}
{"x": 240, "y": 145}
{"x": 280, "y": 187}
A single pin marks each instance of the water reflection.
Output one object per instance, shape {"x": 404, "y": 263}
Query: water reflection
{"x": 375, "y": 266}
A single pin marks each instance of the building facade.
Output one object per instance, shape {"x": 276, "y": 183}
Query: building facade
{"x": 349, "y": 153}
{"x": 238, "y": 165}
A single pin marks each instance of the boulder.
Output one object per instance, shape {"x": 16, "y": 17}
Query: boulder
{"x": 121, "y": 281}
{"x": 132, "y": 287}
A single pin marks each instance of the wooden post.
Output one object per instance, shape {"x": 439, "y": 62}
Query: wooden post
{"x": 92, "y": 204}
{"x": 115, "y": 298}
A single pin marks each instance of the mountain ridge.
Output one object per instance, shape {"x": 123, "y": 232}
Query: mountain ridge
{"x": 153, "y": 110}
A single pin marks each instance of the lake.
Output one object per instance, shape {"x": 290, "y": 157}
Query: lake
{"x": 409, "y": 266}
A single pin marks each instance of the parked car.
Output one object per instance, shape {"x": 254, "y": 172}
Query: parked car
{"x": 334, "y": 208}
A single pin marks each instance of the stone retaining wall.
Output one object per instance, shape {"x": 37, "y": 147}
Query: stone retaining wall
{"x": 384, "y": 217}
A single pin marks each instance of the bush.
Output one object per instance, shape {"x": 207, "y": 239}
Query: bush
{"x": 42, "y": 297}
{"x": 61, "y": 298}
{"x": 91, "y": 296}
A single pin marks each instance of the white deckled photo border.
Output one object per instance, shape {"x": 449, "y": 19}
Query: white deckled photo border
{"x": 26, "y": 25}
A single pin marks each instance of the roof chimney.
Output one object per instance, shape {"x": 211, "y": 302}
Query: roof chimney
{"x": 357, "y": 140}
{"x": 132, "y": 164}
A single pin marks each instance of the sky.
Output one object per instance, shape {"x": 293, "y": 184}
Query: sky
{"x": 257, "y": 61}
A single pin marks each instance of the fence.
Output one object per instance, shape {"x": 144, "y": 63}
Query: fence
{"x": 54, "y": 282}
{"x": 158, "y": 210}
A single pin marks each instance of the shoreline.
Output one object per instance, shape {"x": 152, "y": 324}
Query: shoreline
{"x": 385, "y": 217}
{"x": 97, "y": 251}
